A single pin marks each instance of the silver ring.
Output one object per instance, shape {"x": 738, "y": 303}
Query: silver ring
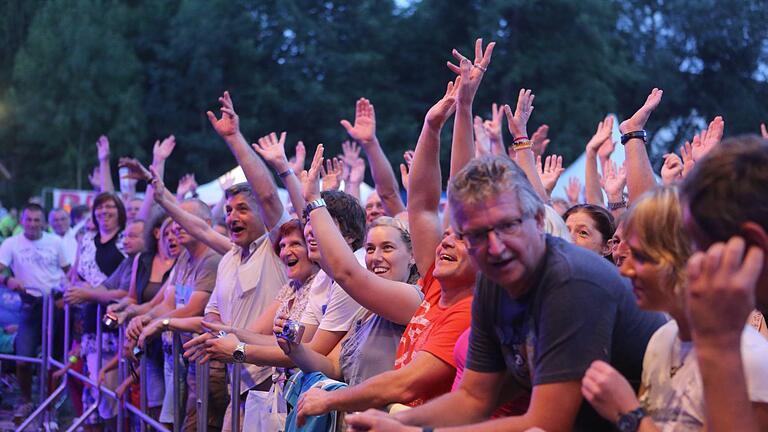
{"x": 221, "y": 334}
{"x": 479, "y": 66}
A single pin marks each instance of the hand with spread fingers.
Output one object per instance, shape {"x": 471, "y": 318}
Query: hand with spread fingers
{"x": 686, "y": 151}
{"x": 518, "y": 122}
{"x": 364, "y": 129}
{"x": 102, "y": 148}
{"x": 708, "y": 139}
{"x": 136, "y": 170}
{"x": 229, "y": 123}
{"x": 471, "y": 72}
{"x": 550, "y": 171}
{"x": 271, "y": 148}
{"x": 332, "y": 174}
{"x": 573, "y": 190}
{"x": 614, "y": 180}
{"x": 162, "y": 150}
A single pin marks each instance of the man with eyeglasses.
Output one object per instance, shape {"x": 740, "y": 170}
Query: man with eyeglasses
{"x": 543, "y": 311}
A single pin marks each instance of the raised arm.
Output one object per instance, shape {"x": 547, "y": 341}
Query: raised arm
{"x": 522, "y": 146}
{"x": 272, "y": 150}
{"x": 602, "y": 137}
{"x": 196, "y": 227}
{"x": 364, "y": 132}
{"x": 264, "y": 189}
{"x": 639, "y": 172}
{"x": 105, "y": 172}
{"x": 395, "y": 301}
{"x": 423, "y": 201}
{"x": 471, "y": 73}
{"x": 355, "y": 167}
{"x": 161, "y": 151}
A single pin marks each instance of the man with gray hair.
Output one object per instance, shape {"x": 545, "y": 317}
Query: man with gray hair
{"x": 543, "y": 311}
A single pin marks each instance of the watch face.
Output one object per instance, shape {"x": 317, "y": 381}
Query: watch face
{"x": 239, "y": 356}
{"x": 628, "y": 423}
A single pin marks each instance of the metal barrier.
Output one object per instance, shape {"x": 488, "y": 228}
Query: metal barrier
{"x": 46, "y": 361}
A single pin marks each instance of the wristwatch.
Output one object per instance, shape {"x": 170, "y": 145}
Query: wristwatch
{"x": 166, "y": 324}
{"x": 617, "y": 205}
{"x": 630, "y": 421}
{"x": 312, "y": 206}
{"x": 641, "y": 134}
{"x": 239, "y": 354}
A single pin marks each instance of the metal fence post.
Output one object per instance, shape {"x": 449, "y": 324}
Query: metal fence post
{"x": 235, "y": 401}
{"x": 175, "y": 352}
{"x": 143, "y": 388}
{"x": 121, "y": 378}
{"x": 44, "y": 349}
{"x": 201, "y": 379}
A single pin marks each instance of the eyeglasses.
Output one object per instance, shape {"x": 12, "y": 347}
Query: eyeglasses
{"x": 479, "y": 238}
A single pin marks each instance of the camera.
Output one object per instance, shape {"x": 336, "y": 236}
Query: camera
{"x": 137, "y": 352}
{"x": 292, "y": 332}
{"x": 110, "y": 321}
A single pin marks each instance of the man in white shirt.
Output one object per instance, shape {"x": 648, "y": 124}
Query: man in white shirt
{"x": 60, "y": 223}
{"x": 39, "y": 264}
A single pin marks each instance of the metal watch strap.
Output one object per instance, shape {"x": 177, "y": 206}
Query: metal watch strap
{"x": 617, "y": 205}
{"x": 312, "y": 206}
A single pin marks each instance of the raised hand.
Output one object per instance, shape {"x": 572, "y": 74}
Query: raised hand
{"x": 297, "y": 161}
{"x": 482, "y": 141}
{"x": 539, "y": 140}
{"x": 601, "y": 137}
{"x": 686, "y": 151}
{"x": 721, "y": 289}
{"x": 229, "y": 123}
{"x": 672, "y": 170}
{"x": 310, "y": 180}
{"x": 406, "y": 167}
{"x": 550, "y": 171}
{"x": 608, "y": 391}
{"x": 102, "y": 148}
{"x": 162, "y": 150}
{"x": 573, "y": 190}
{"x": 136, "y": 170}
{"x": 493, "y": 129}
{"x": 332, "y": 174}
{"x": 357, "y": 171}
{"x": 364, "y": 129}
{"x": 471, "y": 73}
{"x": 640, "y": 118}
{"x": 187, "y": 183}
{"x": 763, "y": 130}
{"x": 408, "y": 156}
{"x": 518, "y": 122}
{"x": 227, "y": 181}
{"x": 95, "y": 178}
{"x": 444, "y": 108}
{"x": 708, "y": 139}
{"x": 272, "y": 150}
{"x": 614, "y": 180}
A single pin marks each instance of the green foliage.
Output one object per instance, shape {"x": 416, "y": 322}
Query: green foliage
{"x": 74, "y": 78}
{"x": 140, "y": 70}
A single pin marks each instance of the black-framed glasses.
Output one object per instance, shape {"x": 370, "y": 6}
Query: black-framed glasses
{"x": 506, "y": 229}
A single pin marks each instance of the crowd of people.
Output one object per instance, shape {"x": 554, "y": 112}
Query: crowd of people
{"x": 502, "y": 310}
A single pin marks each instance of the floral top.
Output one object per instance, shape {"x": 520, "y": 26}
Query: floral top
{"x": 293, "y": 300}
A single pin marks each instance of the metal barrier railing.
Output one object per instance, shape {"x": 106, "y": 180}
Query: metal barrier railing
{"x": 46, "y": 361}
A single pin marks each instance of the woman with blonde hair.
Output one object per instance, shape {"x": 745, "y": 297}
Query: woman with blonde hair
{"x": 671, "y": 392}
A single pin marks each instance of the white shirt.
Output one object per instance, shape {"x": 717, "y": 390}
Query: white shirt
{"x": 35, "y": 263}
{"x": 244, "y": 290}
{"x": 676, "y": 403}
{"x": 329, "y": 306}
{"x": 69, "y": 239}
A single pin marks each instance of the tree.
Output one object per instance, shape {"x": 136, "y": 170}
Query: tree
{"x": 74, "y": 78}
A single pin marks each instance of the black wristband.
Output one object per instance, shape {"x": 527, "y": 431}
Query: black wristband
{"x": 641, "y": 134}
{"x": 427, "y": 429}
